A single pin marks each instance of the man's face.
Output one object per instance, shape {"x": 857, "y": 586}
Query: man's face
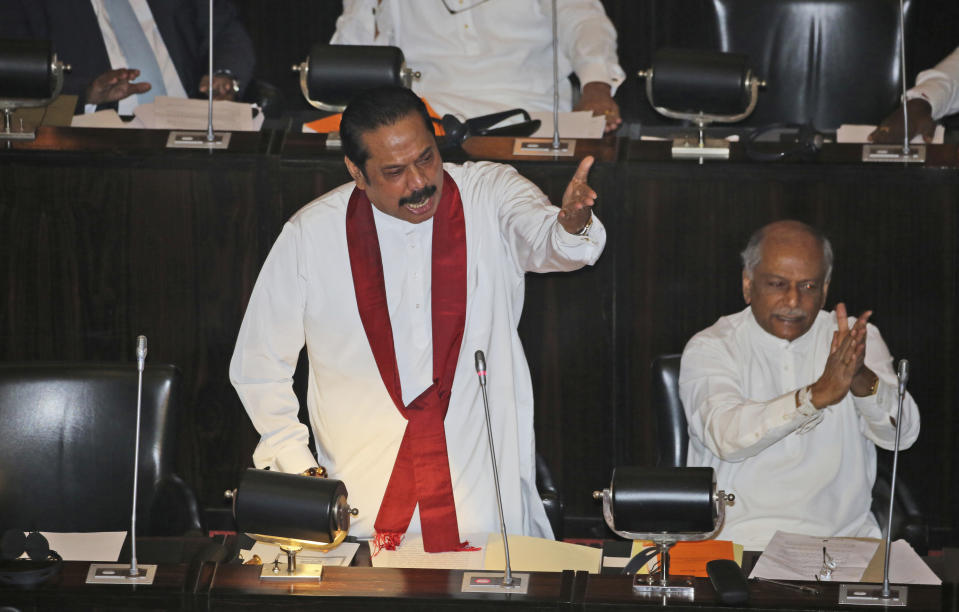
{"x": 788, "y": 287}
{"x": 404, "y": 171}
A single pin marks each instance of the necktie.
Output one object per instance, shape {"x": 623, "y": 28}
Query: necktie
{"x": 136, "y": 47}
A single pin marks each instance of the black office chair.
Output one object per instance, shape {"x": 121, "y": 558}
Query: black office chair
{"x": 66, "y": 449}
{"x": 673, "y": 439}
{"x": 826, "y": 62}
{"x": 552, "y": 500}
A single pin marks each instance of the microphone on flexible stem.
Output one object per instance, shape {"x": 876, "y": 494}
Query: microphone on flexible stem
{"x": 903, "y": 376}
{"x": 115, "y": 573}
{"x": 480, "y": 581}
{"x": 870, "y": 595}
{"x": 555, "y": 147}
{"x": 141, "y": 363}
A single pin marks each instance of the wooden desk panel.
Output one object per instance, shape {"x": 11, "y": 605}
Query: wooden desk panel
{"x": 360, "y": 588}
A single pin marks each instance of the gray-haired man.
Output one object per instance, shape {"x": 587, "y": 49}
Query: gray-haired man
{"x": 787, "y": 402}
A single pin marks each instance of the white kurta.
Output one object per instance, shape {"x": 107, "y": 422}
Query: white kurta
{"x": 495, "y": 56}
{"x": 305, "y": 294}
{"x": 789, "y": 472}
{"x": 939, "y": 86}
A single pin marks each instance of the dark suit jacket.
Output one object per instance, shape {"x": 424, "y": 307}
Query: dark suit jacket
{"x": 183, "y": 24}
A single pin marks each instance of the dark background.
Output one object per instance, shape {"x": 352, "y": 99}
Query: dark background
{"x": 96, "y": 248}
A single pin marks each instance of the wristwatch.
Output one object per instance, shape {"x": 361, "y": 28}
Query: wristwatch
{"x": 229, "y": 74}
{"x": 585, "y": 230}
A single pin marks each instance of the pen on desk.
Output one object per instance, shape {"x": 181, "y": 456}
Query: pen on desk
{"x": 788, "y": 585}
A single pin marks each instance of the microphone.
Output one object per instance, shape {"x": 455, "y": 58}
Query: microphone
{"x": 117, "y": 573}
{"x": 903, "y": 375}
{"x": 509, "y": 581}
{"x": 480, "y": 359}
{"x": 141, "y": 352}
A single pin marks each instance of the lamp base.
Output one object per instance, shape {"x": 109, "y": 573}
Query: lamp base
{"x": 707, "y": 148}
{"x": 197, "y": 140}
{"x": 894, "y": 153}
{"x": 119, "y": 573}
{"x": 304, "y": 571}
{"x": 492, "y": 582}
{"x": 678, "y": 587}
{"x": 871, "y": 595}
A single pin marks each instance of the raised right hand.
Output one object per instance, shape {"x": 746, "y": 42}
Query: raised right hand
{"x": 846, "y": 356}
{"x": 114, "y": 85}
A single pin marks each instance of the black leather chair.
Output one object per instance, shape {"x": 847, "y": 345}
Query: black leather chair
{"x": 826, "y": 62}
{"x": 673, "y": 439}
{"x": 66, "y": 449}
{"x": 552, "y": 500}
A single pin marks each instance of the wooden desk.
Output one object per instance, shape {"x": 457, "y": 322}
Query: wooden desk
{"x": 212, "y": 586}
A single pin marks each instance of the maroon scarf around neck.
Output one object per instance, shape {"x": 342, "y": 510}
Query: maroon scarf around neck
{"x": 421, "y": 473}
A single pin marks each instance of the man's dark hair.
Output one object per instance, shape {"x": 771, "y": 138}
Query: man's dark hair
{"x": 374, "y": 109}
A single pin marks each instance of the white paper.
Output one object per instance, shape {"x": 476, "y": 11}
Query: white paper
{"x": 851, "y": 133}
{"x": 907, "y": 567}
{"x": 791, "y": 556}
{"x": 95, "y": 546}
{"x": 340, "y": 556}
{"x": 167, "y": 113}
{"x": 100, "y": 119}
{"x": 411, "y": 554}
{"x": 577, "y": 124}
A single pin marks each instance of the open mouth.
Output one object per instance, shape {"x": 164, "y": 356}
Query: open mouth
{"x": 418, "y": 202}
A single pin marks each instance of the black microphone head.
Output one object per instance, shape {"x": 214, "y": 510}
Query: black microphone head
{"x": 12, "y": 544}
{"x": 141, "y": 348}
{"x": 480, "y": 362}
{"x": 903, "y": 373}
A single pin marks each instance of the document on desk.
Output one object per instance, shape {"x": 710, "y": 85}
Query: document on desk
{"x": 95, "y": 546}
{"x": 410, "y": 554}
{"x": 791, "y": 556}
{"x": 851, "y": 133}
{"x": 167, "y": 113}
{"x": 577, "y": 124}
{"x": 529, "y": 554}
{"x": 340, "y": 556}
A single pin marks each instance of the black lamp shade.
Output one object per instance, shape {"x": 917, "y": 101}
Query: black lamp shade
{"x": 692, "y": 81}
{"x": 663, "y": 499}
{"x": 26, "y": 69}
{"x": 291, "y": 506}
{"x": 339, "y": 72}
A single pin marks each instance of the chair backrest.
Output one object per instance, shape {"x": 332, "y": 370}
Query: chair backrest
{"x": 671, "y": 432}
{"x": 825, "y": 61}
{"x": 67, "y": 437}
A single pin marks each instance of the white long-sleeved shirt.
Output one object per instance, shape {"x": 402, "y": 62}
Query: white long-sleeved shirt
{"x": 939, "y": 86}
{"x": 305, "y": 293}
{"x": 494, "y": 56}
{"x": 789, "y": 471}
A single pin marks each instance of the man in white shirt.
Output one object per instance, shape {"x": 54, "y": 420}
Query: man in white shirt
{"x": 393, "y": 282}
{"x": 787, "y": 402}
{"x": 482, "y": 56}
{"x": 935, "y": 96}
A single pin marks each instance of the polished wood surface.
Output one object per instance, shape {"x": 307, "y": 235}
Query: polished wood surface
{"x": 367, "y": 588}
{"x": 106, "y": 235}
{"x": 230, "y": 586}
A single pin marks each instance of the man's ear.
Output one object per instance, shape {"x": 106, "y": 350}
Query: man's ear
{"x": 825, "y": 292}
{"x": 747, "y": 288}
{"x": 356, "y": 173}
